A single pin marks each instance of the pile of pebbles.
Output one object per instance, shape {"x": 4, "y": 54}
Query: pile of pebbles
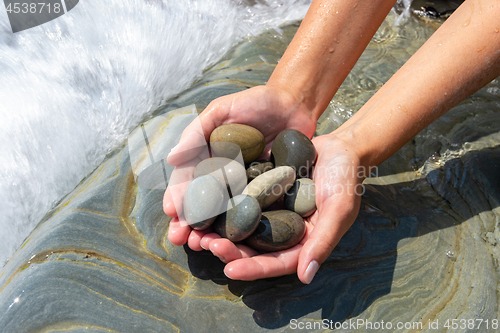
{"x": 262, "y": 204}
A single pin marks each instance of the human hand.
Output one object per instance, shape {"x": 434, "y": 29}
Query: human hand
{"x": 338, "y": 196}
{"x": 269, "y": 109}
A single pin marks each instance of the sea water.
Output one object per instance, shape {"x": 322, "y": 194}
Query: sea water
{"x": 72, "y": 89}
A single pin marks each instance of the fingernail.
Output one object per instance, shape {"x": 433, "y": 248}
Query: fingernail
{"x": 310, "y": 272}
{"x": 227, "y": 272}
{"x": 204, "y": 248}
{"x": 222, "y": 259}
{"x": 173, "y": 150}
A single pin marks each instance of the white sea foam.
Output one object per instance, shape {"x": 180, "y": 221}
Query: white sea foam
{"x": 72, "y": 89}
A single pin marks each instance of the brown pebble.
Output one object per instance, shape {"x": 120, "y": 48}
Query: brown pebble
{"x": 227, "y": 141}
{"x": 258, "y": 168}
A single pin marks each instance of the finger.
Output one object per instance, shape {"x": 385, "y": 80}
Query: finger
{"x": 191, "y": 143}
{"x": 168, "y": 204}
{"x": 195, "y": 237}
{"x": 264, "y": 266}
{"x": 179, "y": 181}
{"x": 178, "y": 233}
{"x": 207, "y": 238}
{"x": 227, "y": 251}
{"x": 195, "y": 136}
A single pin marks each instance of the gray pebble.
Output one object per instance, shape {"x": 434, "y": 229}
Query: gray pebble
{"x": 278, "y": 230}
{"x": 203, "y": 201}
{"x": 301, "y": 198}
{"x": 235, "y": 173}
{"x": 240, "y": 220}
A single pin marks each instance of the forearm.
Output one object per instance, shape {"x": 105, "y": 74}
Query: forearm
{"x": 327, "y": 45}
{"x": 462, "y": 56}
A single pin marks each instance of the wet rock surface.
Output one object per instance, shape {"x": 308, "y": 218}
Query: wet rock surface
{"x": 278, "y": 230}
{"x": 226, "y": 139}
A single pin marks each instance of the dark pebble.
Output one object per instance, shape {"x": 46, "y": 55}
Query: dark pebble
{"x": 258, "y": 168}
{"x": 294, "y": 149}
{"x": 278, "y": 230}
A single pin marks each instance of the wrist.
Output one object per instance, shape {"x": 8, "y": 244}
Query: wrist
{"x": 294, "y": 98}
{"x": 302, "y": 90}
{"x": 345, "y": 141}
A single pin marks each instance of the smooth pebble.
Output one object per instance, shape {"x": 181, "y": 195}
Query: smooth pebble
{"x": 278, "y": 230}
{"x": 203, "y": 201}
{"x": 271, "y": 185}
{"x": 240, "y": 220}
{"x": 227, "y": 141}
{"x": 294, "y": 149}
{"x": 235, "y": 173}
{"x": 301, "y": 198}
{"x": 258, "y": 168}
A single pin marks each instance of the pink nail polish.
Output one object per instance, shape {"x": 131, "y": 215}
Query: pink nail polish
{"x": 310, "y": 272}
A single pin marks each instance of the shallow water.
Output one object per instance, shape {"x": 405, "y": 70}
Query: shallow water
{"x": 71, "y": 90}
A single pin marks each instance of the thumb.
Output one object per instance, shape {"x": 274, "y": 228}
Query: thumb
{"x": 193, "y": 141}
